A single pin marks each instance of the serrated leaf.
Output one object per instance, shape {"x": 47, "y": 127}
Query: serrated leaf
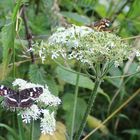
{"x": 52, "y": 85}
{"x": 36, "y": 74}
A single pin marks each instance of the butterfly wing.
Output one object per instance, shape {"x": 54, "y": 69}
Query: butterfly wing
{"x": 11, "y": 100}
{"x": 27, "y": 96}
{"x": 24, "y": 103}
{"x": 4, "y": 91}
{"x": 10, "y": 96}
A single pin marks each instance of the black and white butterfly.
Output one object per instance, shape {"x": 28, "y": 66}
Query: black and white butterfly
{"x": 24, "y": 98}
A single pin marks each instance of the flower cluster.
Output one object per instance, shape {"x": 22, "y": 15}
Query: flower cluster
{"x": 39, "y": 109}
{"x": 87, "y": 46}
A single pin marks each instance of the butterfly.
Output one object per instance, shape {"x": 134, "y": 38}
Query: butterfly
{"x": 101, "y": 25}
{"x": 24, "y": 98}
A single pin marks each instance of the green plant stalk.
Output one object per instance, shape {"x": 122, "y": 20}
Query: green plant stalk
{"x": 89, "y": 106}
{"x": 20, "y": 128}
{"x": 14, "y": 17}
{"x": 75, "y": 104}
{"x": 32, "y": 130}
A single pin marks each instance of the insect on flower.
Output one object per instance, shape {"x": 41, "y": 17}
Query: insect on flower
{"x": 101, "y": 25}
{"x": 24, "y": 98}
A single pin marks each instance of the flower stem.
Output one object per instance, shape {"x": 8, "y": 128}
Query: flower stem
{"x": 20, "y": 127}
{"x": 32, "y": 130}
{"x": 89, "y": 106}
{"x": 75, "y": 104}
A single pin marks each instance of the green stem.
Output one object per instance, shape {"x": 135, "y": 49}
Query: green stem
{"x": 20, "y": 128}
{"x": 32, "y": 130}
{"x": 75, "y": 104}
{"x": 14, "y": 69}
{"x": 89, "y": 106}
{"x": 14, "y": 16}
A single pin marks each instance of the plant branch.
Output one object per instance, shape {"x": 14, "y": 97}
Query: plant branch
{"x": 28, "y": 32}
{"x": 89, "y": 106}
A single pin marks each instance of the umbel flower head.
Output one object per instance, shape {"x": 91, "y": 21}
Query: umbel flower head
{"x": 40, "y": 109}
{"x": 86, "y": 45}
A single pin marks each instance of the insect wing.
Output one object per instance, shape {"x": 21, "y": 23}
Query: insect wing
{"x": 11, "y": 100}
{"x": 30, "y": 93}
{"x": 26, "y": 102}
{"x": 27, "y": 96}
{"x": 4, "y": 91}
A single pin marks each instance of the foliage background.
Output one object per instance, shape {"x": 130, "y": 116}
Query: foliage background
{"x": 42, "y": 18}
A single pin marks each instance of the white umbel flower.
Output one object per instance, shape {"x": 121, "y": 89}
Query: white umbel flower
{"x": 24, "y": 84}
{"x": 48, "y": 99}
{"x": 87, "y": 46}
{"x": 48, "y": 122}
{"x": 70, "y": 36}
{"x": 30, "y": 113}
{"x": 20, "y": 82}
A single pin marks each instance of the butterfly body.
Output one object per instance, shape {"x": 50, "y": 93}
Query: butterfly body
{"x": 23, "y": 98}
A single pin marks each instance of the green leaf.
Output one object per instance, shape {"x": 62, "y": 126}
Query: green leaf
{"x": 36, "y": 74}
{"x": 133, "y": 67}
{"x": 12, "y": 131}
{"x": 70, "y": 77}
{"x": 79, "y": 19}
{"x": 86, "y": 3}
{"x": 100, "y": 9}
{"x": 52, "y": 85}
{"x": 114, "y": 72}
{"x": 8, "y": 34}
{"x": 132, "y": 131}
{"x": 123, "y": 116}
{"x": 68, "y": 103}
{"x": 84, "y": 82}
{"x": 8, "y": 37}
